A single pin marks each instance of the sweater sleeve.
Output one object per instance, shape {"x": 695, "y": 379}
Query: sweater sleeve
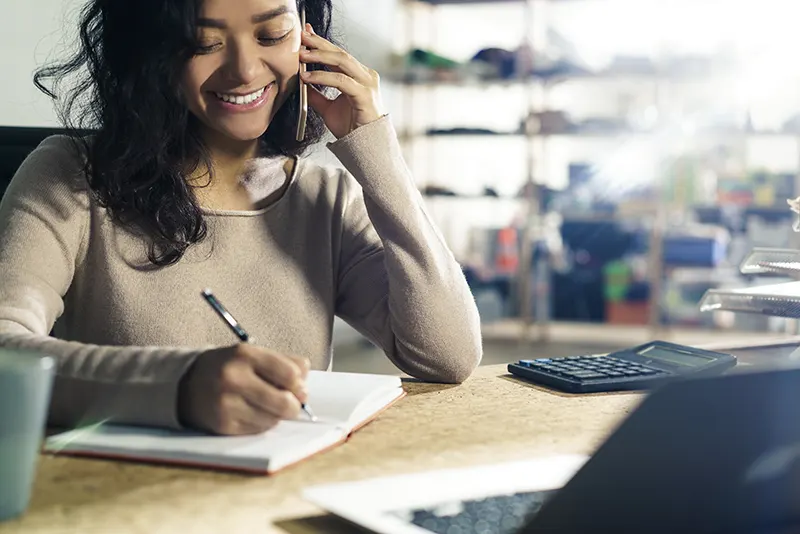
{"x": 399, "y": 284}
{"x": 44, "y": 222}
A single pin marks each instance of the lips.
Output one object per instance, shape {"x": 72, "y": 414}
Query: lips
{"x": 240, "y": 100}
{"x": 232, "y": 102}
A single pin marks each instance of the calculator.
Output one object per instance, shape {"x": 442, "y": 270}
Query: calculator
{"x": 638, "y": 368}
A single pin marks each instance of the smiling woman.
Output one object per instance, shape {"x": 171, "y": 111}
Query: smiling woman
{"x": 245, "y": 68}
{"x": 193, "y": 179}
{"x": 152, "y": 70}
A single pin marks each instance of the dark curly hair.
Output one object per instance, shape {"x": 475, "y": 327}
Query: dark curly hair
{"x": 123, "y": 84}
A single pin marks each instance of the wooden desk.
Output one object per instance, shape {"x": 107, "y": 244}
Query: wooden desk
{"x": 491, "y": 418}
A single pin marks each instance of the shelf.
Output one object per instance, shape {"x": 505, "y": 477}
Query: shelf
{"x": 469, "y": 2}
{"x": 601, "y": 135}
{"x": 459, "y": 2}
{"x": 555, "y": 78}
{"x": 472, "y": 198}
{"x": 618, "y": 336}
{"x": 593, "y": 135}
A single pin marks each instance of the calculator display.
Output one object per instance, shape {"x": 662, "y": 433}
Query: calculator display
{"x": 676, "y": 357}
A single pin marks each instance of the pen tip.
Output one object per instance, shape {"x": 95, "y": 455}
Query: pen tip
{"x": 206, "y": 291}
{"x": 309, "y": 413}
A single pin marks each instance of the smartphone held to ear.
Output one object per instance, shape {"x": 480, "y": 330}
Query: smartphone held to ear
{"x": 302, "y": 112}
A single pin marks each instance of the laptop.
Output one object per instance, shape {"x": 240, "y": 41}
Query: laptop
{"x": 707, "y": 455}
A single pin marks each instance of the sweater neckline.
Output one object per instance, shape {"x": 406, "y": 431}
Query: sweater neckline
{"x": 262, "y": 210}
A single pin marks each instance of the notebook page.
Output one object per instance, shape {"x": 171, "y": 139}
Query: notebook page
{"x": 372, "y": 405}
{"x": 289, "y": 441}
{"x": 334, "y": 397}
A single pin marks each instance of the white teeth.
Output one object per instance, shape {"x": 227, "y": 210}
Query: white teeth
{"x": 240, "y": 100}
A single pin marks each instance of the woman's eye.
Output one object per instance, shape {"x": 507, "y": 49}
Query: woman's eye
{"x": 207, "y": 48}
{"x": 271, "y": 40}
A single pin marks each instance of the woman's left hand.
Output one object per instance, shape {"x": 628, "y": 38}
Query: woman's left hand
{"x": 360, "y": 101}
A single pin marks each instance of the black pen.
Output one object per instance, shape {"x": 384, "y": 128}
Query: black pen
{"x": 239, "y": 331}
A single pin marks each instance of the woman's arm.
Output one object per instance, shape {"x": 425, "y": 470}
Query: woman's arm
{"x": 399, "y": 283}
{"x": 44, "y": 225}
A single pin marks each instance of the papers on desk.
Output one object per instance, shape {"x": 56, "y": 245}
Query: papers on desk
{"x": 342, "y": 402}
{"x": 777, "y": 300}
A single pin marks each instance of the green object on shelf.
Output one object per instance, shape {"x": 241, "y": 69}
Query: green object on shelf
{"x": 618, "y": 275}
{"x": 429, "y": 59}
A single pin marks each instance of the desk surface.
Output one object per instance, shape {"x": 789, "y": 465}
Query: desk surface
{"x": 490, "y": 418}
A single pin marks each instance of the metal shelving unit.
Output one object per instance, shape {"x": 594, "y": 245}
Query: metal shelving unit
{"x": 530, "y": 201}
{"x": 536, "y": 90}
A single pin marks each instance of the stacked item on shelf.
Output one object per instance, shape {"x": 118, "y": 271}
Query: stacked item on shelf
{"x": 493, "y": 64}
{"x": 627, "y": 293}
{"x": 773, "y": 300}
{"x": 696, "y": 246}
{"x": 757, "y": 189}
{"x": 580, "y": 292}
{"x": 490, "y": 269}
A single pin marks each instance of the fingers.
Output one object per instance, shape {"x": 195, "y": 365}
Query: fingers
{"x": 239, "y": 418}
{"x": 338, "y": 80}
{"x": 268, "y": 401}
{"x": 303, "y": 363}
{"x": 310, "y": 39}
{"x": 339, "y": 61}
{"x": 279, "y": 370}
{"x": 241, "y": 389}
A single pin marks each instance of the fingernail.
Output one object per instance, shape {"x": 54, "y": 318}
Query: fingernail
{"x": 305, "y": 74}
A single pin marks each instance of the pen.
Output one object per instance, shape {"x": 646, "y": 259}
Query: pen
{"x": 240, "y": 332}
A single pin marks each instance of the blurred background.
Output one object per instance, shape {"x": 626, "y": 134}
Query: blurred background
{"x": 596, "y": 166}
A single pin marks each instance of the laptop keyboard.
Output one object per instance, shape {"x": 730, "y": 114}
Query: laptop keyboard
{"x": 503, "y": 514}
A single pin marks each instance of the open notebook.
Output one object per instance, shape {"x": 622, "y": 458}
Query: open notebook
{"x": 342, "y": 402}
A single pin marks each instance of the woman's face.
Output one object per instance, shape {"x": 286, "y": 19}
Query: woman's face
{"x": 246, "y": 67}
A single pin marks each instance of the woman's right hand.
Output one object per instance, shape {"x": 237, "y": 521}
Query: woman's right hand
{"x": 241, "y": 389}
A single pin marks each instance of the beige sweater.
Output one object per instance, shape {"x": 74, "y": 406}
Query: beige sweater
{"x": 356, "y": 244}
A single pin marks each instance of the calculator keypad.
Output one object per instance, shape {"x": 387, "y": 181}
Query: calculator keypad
{"x": 583, "y": 368}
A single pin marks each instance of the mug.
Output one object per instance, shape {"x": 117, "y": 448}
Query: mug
{"x": 26, "y": 380}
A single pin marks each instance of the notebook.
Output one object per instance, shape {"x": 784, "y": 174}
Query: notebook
{"x": 342, "y": 402}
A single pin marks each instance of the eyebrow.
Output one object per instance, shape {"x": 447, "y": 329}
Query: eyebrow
{"x": 255, "y": 19}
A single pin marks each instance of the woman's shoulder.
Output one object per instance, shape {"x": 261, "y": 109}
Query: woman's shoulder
{"x": 53, "y": 170}
{"x": 317, "y": 178}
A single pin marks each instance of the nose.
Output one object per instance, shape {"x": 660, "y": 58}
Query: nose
{"x": 243, "y": 64}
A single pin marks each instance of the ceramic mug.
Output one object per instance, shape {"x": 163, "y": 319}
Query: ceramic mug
{"x": 26, "y": 379}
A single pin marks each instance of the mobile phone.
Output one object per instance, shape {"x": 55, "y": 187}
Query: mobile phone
{"x": 302, "y": 112}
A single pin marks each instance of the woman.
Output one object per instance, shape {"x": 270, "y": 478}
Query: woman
{"x": 193, "y": 180}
